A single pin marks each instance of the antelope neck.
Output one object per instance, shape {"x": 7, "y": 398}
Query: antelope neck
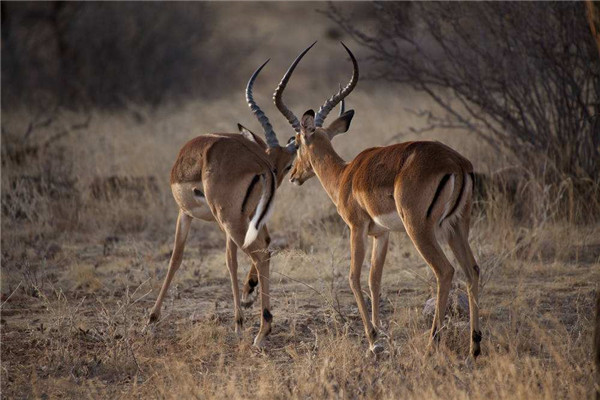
{"x": 328, "y": 167}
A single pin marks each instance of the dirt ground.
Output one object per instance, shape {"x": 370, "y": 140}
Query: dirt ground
{"x": 74, "y": 324}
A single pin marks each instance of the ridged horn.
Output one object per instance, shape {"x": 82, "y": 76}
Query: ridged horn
{"x": 342, "y": 103}
{"x": 336, "y": 98}
{"x": 277, "y": 96}
{"x": 260, "y": 115}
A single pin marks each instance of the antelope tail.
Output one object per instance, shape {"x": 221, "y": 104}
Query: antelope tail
{"x": 263, "y": 210}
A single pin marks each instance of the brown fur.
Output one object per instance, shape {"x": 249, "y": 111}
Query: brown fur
{"x": 215, "y": 178}
{"x": 374, "y": 172}
{"x": 200, "y": 152}
{"x": 389, "y": 188}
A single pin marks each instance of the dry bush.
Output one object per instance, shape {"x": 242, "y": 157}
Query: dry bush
{"x": 522, "y": 77}
{"x": 108, "y": 55}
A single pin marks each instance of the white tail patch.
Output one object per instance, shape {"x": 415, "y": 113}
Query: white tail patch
{"x": 256, "y": 223}
{"x": 251, "y": 235}
{"x": 447, "y": 222}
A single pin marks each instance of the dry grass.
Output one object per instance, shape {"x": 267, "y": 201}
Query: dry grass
{"x": 84, "y": 273}
{"x": 86, "y": 340}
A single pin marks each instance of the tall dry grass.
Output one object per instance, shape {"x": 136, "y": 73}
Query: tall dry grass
{"x": 82, "y": 270}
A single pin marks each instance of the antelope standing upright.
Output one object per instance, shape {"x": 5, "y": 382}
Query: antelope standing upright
{"x": 423, "y": 188}
{"x": 216, "y": 177}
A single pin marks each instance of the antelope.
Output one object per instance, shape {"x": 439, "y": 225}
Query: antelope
{"x": 231, "y": 179}
{"x": 422, "y": 188}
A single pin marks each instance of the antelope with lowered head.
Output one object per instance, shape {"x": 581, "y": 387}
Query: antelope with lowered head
{"x": 422, "y": 188}
{"x": 231, "y": 179}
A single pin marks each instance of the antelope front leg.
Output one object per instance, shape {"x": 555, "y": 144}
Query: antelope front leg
{"x": 181, "y": 231}
{"x": 380, "y": 246}
{"x": 232, "y": 266}
{"x": 358, "y": 238}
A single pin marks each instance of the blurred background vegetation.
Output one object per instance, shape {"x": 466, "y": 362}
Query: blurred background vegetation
{"x": 108, "y": 54}
{"x": 519, "y": 82}
{"x": 525, "y": 77}
{"x": 104, "y": 54}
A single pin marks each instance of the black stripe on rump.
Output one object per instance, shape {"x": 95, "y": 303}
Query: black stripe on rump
{"x": 437, "y": 193}
{"x": 262, "y": 215}
{"x": 460, "y": 195}
{"x": 249, "y": 191}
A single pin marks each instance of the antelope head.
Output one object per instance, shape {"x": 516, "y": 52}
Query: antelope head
{"x": 311, "y": 133}
{"x": 282, "y": 157}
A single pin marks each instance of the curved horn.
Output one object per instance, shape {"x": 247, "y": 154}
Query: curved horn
{"x": 336, "y": 98}
{"x": 262, "y": 118}
{"x": 277, "y": 96}
{"x": 342, "y": 103}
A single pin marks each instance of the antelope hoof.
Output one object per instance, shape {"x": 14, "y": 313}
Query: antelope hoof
{"x": 475, "y": 346}
{"x": 377, "y": 348}
{"x": 154, "y": 317}
{"x": 469, "y": 362}
{"x": 247, "y": 302}
{"x": 476, "y": 351}
{"x": 259, "y": 342}
{"x": 431, "y": 349}
{"x": 239, "y": 324}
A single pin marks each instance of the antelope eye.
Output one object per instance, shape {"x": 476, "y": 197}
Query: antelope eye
{"x": 288, "y": 167}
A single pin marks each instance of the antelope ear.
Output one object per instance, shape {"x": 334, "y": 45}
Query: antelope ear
{"x": 245, "y": 132}
{"x": 308, "y": 122}
{"x": 341, "y": 124}
{"x": 291, "y": 145}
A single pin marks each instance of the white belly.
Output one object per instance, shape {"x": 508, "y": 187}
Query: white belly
{"x": 391, "y": 221}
